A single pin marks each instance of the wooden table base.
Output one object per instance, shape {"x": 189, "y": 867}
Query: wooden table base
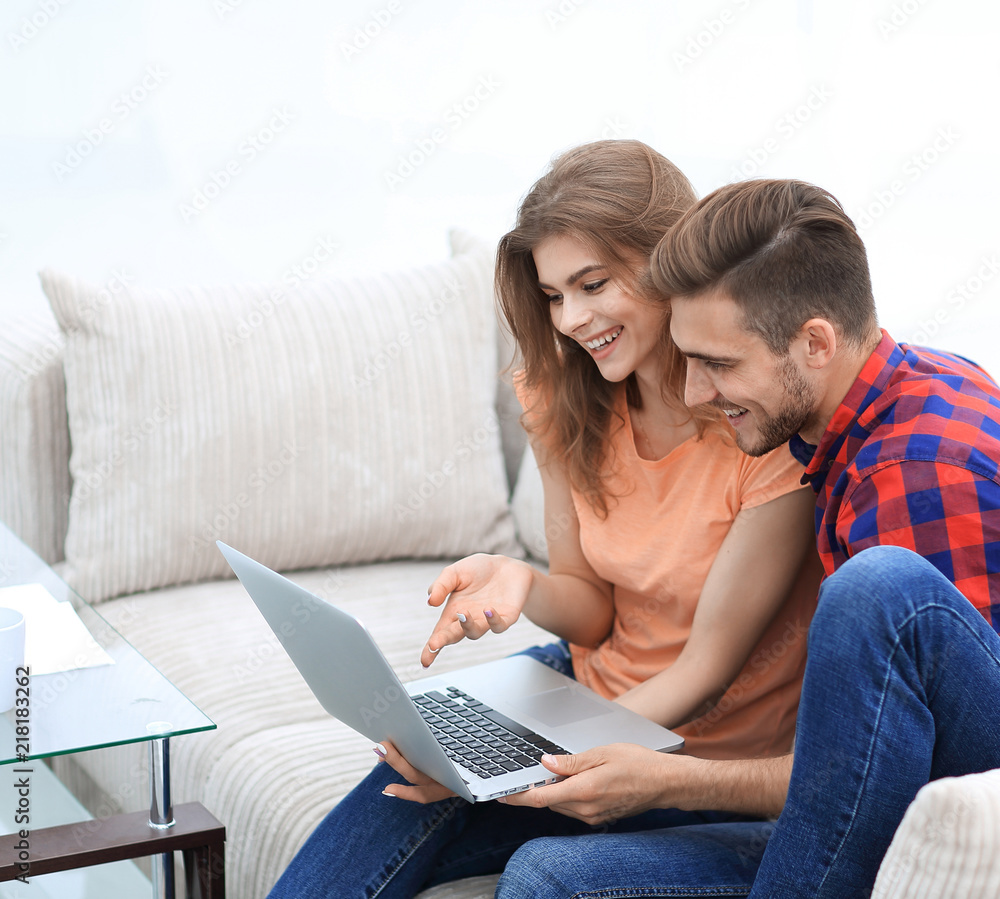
{"x": 197, "y": 834}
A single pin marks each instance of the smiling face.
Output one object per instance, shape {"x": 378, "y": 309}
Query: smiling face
{"x": 767, "y": 398}
{"x": 588, "y": 304}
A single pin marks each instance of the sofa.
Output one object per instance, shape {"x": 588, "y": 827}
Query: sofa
{"x": 352, "y": 433}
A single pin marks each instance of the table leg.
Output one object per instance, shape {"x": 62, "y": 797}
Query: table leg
{"x": 161, "y": 815}
{"x": 205, "y": 871}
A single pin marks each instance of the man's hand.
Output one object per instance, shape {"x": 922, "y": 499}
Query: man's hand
{"x": 615, "y": 781}
{"x": 607, "y": 783}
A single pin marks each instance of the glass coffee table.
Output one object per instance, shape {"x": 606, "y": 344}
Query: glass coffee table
{"x": 122, "y": 700}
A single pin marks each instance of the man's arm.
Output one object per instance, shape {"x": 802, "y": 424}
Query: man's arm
{"x": 615, "y": 781}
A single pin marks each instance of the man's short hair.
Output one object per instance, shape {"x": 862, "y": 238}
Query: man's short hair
{"x": 784, "y": 251}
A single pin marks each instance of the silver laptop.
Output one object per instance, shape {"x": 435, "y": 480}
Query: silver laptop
{"x": 479, "y": 730}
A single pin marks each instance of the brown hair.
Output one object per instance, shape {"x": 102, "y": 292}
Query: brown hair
{"x": 784, "y": 251}
{"x": 619, "y": 197}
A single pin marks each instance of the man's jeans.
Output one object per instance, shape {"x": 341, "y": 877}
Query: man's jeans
{"x": 900, "y": 688}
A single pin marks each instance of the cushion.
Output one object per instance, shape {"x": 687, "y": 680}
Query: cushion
{"x": 946, "y": 843}
{"x": 306, "y": 424}
{"x": 528, "y": 507}
{"x": 34, "y": 442}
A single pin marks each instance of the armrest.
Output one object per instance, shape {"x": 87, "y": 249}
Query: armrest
{"x": 946, "y": 843}
{"x": 34, "y": 434}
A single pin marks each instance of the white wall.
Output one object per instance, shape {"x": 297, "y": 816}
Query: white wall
{"x": 115, "y": 115}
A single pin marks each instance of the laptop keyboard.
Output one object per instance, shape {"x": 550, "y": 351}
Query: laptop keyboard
{"x": 478, "y": 737}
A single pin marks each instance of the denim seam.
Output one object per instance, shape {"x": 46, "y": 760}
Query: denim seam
{"x": 431, "y": 827}
{"x": 654, "y": 892}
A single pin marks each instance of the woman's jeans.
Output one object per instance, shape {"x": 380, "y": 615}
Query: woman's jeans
{"x": 900, "y": 688}
{"x": 376, "y": 845}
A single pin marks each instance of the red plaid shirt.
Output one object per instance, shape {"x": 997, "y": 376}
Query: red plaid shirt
{"x": 910, "y": 459}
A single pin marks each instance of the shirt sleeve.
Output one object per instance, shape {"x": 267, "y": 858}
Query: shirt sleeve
{"x": 945, "y": 513}
{"x": 767, "y": 477}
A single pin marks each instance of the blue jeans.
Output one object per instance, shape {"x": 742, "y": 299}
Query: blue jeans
{"x": 900, "y": 688}
{"x": 373, "y": 845}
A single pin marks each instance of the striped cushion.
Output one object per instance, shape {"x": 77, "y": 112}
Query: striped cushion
{"x": 527, "y": 505}
{"x": 946, "y": 844}
{"x": 34, "y": 479}
{"x": 326, "y": 423}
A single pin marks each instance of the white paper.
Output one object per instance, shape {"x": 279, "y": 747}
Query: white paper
{"x": 55, "y": 639}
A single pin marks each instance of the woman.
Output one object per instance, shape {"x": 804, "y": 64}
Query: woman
{"x": 682, "y": 584}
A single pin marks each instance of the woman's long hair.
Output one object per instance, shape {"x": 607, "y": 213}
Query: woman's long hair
{"x": 619, "y": 197}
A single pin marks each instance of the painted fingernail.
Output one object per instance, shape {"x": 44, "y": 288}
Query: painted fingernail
{"x": 436, "y": 650}
{"x": 462, "y": 618}
{"x": 379, "y": 750}
{"x": 386, "y": 793}
{"x": 489, "y": 613}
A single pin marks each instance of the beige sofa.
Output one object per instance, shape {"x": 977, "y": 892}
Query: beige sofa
{"x": 352, "y": 433}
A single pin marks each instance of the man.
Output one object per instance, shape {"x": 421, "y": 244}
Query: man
{"x": 772, "y": 306}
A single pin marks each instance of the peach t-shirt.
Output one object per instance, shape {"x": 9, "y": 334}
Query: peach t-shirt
{"x": 666, "y": 522}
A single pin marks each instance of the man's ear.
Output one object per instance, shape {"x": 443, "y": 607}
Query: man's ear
{"x": 816, "y": 343}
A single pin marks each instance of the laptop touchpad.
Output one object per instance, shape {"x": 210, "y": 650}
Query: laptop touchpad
{"x": 560, "y": 706}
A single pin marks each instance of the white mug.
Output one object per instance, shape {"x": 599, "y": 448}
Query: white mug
{"x": 11, "y": 655}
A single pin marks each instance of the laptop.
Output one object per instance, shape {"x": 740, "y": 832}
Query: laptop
{"x": 479, "y": 731}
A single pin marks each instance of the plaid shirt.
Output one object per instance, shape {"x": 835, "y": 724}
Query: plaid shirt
{"x": 910, "y": 459}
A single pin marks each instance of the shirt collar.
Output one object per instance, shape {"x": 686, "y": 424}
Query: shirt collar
{"x": 867, "y": 387}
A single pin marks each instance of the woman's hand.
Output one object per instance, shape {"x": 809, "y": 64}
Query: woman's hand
{"x": 420, "y": 789}
{"x": 479, "y": 593}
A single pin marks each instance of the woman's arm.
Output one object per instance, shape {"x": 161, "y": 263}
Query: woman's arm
{"x": 750, "y": 578}
{"x": 491, "y": 592}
